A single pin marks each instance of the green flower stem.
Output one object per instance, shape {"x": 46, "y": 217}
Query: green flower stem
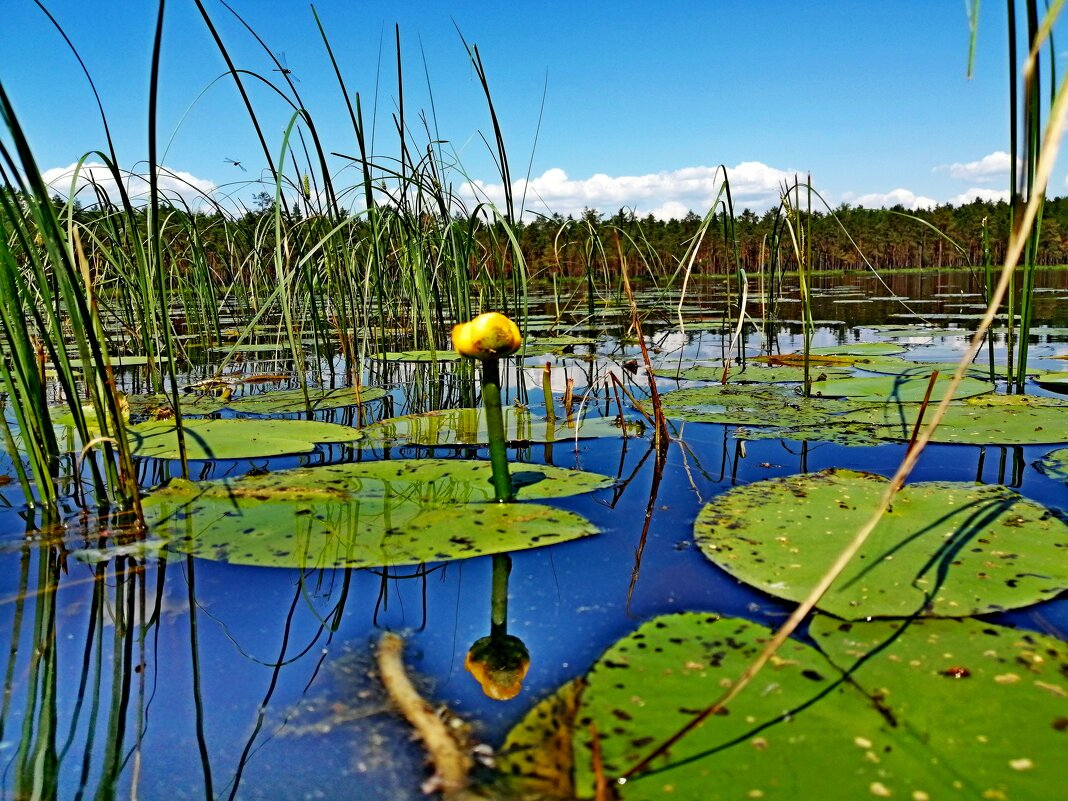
{"x": 502, "y": 566}
{"x": 491, "y": 399}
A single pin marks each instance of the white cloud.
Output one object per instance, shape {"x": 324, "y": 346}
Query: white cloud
{"x": 903, "y": 197}
{"x": 992, "y": 167}
{"x": 664, "y": 194}
{"x": 172, "y": 184}
{"x": 980, "y": 193}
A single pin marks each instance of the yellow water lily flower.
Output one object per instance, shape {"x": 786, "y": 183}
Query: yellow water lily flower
{"x": 488, "y": 336}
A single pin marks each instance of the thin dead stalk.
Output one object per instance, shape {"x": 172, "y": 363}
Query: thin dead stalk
{"x": 923, "y": 409}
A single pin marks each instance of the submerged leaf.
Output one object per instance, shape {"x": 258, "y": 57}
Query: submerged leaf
{"x": 944, "y": 548}
{"x": 535, "y": 760}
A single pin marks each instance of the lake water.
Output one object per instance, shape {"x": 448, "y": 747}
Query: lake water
{"x": 178, "y": 677}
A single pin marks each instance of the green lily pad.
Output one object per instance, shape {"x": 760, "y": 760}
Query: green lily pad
{"x": 981, "y": 711}
{"x": 893, "y": 365}
{"x": 752, "y": 406}
{"x": 466, "y": 426}
{"x": 292, "y": 400}
{"x": 895, "y": 331}
{"x": 1055, "y": 464}
{"x": 859, "y": 349}
{"x": 762, "y": 375}
{"x": 418, "y": 356}
{"x": 124, "y": 360}
{"x": 932, "y": 709}
{"x": 1053, "y": 381}
{"x": 944, "y": 548}
{"x": 536, "y": 759}
{"x": 367, "y": 514}
{"x": 191, "y": 403}
{"x": 983, "y": 420}
{"x": 855, "y": 435}
{"x": 233, "y": 438}
{"x": 895, "y": 389}
{"x": 648, "y": 685}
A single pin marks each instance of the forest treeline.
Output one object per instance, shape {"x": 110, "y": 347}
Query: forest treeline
{"x": 894, "y": 238}
{"x": 847, "y": 238}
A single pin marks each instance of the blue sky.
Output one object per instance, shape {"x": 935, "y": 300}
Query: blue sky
{"x": 642, "y": 100}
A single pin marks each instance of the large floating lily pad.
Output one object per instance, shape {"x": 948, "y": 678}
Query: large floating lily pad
{"x": 292, "y": 400}
{"x": 234, "y": 439}
{"x": 895, "y": 389}
{"x": 894, "y": 365}
{"x": 762, "y": 375}
{"x": 932, "y": 709}
{"x": 160, "y": 404}
{"x": 859, "y": 349}
{"x": 367, "y": 514}
{"x": 417, "y": 356}
{"x": 461, "y": 427}
{"x": 983, "y": 420}
{"x": 981, "y": 711}
{"x": 1053, "y": 381}
{"x": 944, "y": 548}
{"x": 752, "y": 406}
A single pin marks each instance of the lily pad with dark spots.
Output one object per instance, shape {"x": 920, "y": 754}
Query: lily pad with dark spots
{"x": 293, "y": 400}
{"x": 234, "y": 438}
{"x": 367, "y": 514}
{"x": 754, "y": 374}
{"x": 983, "y": 420}
{"x": 931, "y": 709}
{"x": 444, "y": 355}
{"x": 191, "y": 403}
{"x": 893, "y": 365}
{"x": 945, "y": 548}
{"x": 859, "y": 349}
{"x": 973, "y": 704}
{"x": 906, "y": 388}
{"x": 767, "y": 405}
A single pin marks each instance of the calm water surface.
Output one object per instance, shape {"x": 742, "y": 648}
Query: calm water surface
{"x": 174, "y": 677}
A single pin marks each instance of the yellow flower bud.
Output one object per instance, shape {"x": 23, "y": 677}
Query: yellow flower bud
{"x": 488, "y": 336}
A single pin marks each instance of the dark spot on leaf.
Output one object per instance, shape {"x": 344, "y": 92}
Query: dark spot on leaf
{"x": 957, "y": 672}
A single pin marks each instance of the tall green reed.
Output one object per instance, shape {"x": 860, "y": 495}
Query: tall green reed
{"x": 48, "y": 291}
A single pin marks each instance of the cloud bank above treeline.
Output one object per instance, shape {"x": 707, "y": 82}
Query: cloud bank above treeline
{"x": 664, "y": 195}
